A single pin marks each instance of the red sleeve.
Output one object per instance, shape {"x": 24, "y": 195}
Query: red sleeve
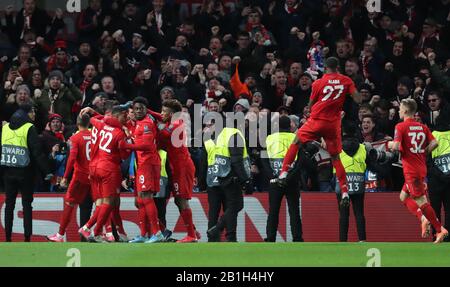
{"x": 156, "y": 115}
{"x": 144, "y": 146}
{"x": 124, "y": 153}
{"x": 96, "y": 121}
{"x": 72, "y": 158}
{"x": 314, "y": 89}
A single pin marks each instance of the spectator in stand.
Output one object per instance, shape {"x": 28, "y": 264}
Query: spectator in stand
{"x": 436, "y": 105}
{"x": 60, "y": 59}
{"x": 15, "y": 100}
{"x": 30, "y": 17}
{"x": 24, "y": 62}
{"x": 56, "y": 98}
{"x": 302, "y": 93}
{"x": 352, "y": 70}
{"x": 295, "y": 71}
{"x": 108, "y": 86}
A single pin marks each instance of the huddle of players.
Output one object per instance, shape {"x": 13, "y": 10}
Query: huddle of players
{"x": 95, "y": 159}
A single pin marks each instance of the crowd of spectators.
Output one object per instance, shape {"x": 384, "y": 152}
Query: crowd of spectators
{"x": 262, "y": 56}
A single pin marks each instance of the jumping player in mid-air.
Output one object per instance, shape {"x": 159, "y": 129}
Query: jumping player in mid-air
{"x": 326, "y": 103}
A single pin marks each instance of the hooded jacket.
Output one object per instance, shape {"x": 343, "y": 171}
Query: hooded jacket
{"x": 38, "y": 161}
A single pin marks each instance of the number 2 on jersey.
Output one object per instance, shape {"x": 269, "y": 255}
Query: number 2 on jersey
{"x": 106, "y": 138}
{"x": 417, "y": 140}
{"x": 329, "y": 90}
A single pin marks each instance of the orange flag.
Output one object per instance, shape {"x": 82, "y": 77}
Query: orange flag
{"x": 238, "y": 87}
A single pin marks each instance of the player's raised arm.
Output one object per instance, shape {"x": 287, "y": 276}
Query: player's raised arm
{"x": 154, "y": 114}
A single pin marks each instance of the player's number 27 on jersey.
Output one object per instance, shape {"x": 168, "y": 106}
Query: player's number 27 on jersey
{"x": 417, "y": 141}
{"x": 329, "y": 91}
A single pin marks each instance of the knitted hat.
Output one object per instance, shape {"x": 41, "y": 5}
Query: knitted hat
{"x": 56, "y": 73}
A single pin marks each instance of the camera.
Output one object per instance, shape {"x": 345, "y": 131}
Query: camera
{"x": 382, "y": 157}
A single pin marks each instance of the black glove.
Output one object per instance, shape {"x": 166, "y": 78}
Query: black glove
{"x": 281, "y": 180}
{"x": 247, "y": 187}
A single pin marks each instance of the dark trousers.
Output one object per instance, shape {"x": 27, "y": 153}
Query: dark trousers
{"x": 216, "y": 201}
{"x": 439, "y": 192}
{"x": 85, "y": 213}
{"x": 234, "y": 201}
{"x": 12, "y": 187}
{"x": 344, "y": 215}
{"x": 276, "y": 194}
{"x": 161, "y": 204}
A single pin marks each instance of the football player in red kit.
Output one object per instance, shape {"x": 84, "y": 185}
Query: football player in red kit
{"x": 172, "y": 138}
{"x": 148, "y": 168}
{"x": 78, "y": 162}
{"x": 326, "y": 103}
{"x": 107, "y": 150}
{"x": 414, "y": 141}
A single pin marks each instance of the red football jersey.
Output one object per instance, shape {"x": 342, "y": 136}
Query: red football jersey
{"x": 329, "y": 92}
{"x": 107, "y": 142}
{"x": 172, "y": 138}
{"x": 413, "y": 137}
{"x": 79, "y": 154}
{"x": 97, "y": 124}
{"x": 144, "y": 136}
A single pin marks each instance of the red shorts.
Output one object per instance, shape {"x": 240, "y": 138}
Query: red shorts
{"x": 107, "y": 182}
{"x": 314, "y": 129}
{"x": 147, "y": 178}
{"x": 415, "y": 186}
{"x": 77, "y": 191}
{"x": 183, "y": 180}
{"x": 95, "y": 187}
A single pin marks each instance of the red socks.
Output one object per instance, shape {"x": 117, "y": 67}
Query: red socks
{"x": 152, "y": 214}
{"x": 142, "y": 216}
{"x": 290, "y": 156}
{"x": 341, "y": 175}
{"x": 186, "y": 214}
{"x": 93, "y": 218}
{"x": 103, "y": 216}
{"x": 429, "y": 213}
{"x": 65, "y": 218}
{"x": 413, "y": 208}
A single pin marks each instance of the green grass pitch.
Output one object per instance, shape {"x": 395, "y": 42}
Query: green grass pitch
{"x": 224, "y": 254}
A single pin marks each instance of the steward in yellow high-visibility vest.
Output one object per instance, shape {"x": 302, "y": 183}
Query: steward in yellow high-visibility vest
{"x": 164, "y": 178}
{"x": 353, "y": 158}
{"x": 207, "y": 174}
{"x": 233, "y": 172}
{"x": 21, "y": 156}
{"x": 439, "y": 172}
{"x": 277, "y": 145}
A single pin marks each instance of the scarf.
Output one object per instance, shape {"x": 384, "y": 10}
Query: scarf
{"x": 290, "y": 10}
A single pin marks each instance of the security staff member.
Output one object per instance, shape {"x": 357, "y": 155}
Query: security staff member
{"x": 161, "y": 197}
{"x": 207, "y": 174}
{"x": 439, "y": 172}
{"x": 353, "y": 158}
{"x": 233, "y": 173}
{"x": 277, "y": 145}
{"x": 21, "y": 153}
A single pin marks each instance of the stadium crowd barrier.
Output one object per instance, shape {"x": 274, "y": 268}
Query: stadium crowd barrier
{"x": 387, "y": 220}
